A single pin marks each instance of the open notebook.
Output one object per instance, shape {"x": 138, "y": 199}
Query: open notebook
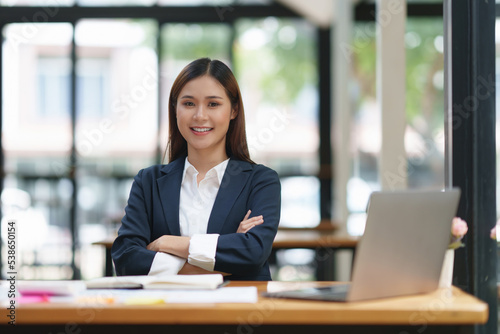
{"x": 164, "y": 282}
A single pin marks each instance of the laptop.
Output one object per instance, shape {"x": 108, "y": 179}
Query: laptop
{"x": 401, "y": 251}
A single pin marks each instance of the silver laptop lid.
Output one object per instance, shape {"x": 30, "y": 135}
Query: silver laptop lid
{"x": 403, "y": 246}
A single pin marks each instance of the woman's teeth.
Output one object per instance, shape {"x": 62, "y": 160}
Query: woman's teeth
{"x": 202, "y": 129}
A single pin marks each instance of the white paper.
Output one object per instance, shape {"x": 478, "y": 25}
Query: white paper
{"x": 221, "y": 295}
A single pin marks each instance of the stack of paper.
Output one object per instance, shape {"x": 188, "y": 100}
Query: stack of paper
{"x": 49, "y": 288}
{"x": 139, "y": 296}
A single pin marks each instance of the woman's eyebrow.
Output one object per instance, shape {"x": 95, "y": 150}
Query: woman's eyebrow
{"x": 207, "y": 97}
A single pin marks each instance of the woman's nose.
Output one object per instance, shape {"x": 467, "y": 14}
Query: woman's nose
{"x": 201, "y": 113}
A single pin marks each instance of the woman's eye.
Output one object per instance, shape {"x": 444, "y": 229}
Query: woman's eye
{"x": 213, "y": 104}
{"x": 188, "y": 104}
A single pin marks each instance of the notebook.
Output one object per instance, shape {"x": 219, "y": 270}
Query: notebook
{"x": 401, "y": 251}
{"x": 160, "y": 282}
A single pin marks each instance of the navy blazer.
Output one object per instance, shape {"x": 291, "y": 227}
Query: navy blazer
{"x": 153, "y": 211}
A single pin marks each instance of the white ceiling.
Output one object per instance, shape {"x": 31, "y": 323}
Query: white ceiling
{"x": 319, "y": 12}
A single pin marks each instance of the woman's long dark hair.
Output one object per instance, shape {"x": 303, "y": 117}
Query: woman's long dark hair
{"x": 236, "y": 141}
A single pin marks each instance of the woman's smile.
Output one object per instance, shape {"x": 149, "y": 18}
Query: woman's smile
{"x": 200, "y": 131}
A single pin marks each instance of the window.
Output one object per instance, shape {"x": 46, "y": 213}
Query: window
{"x": 275, "y": 62}
{"x": 92, "y": 87}
{"x": 424, "y": 137}
{"x": 53, "y": 88}
{"x": 36, "y": 133}
{"x": 116, "y": 124}
{"x": 76, "y": 166}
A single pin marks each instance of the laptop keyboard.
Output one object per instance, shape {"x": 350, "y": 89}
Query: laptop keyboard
{"x": 327, "y": 293}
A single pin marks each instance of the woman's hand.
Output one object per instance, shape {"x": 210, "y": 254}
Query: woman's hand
{"x": 171, "y": 244}
{"x": 189, "y": 269}
{"x": 247, "y": 224}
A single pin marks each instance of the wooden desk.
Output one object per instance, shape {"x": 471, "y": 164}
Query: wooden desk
{"x": 324, "y": 241}
{"x": 325, "y": 225}
{"x": 443, "y": 311}
{"x": 312, "y": 239}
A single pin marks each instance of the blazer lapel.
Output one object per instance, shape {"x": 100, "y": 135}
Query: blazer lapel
{"x": 234, "y": 179}
{"x": 169, "y": 188}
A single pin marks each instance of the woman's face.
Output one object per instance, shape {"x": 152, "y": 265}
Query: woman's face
{"x": 203, "y": 115}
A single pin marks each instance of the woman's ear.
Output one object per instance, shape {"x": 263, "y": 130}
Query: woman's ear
{"x": 234, "y": 113}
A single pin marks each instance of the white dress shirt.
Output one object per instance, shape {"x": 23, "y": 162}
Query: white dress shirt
{"x": 195, "y": 205}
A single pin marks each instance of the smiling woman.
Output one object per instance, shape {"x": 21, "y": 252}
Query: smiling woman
{"x": 220, "y": 81}
{"x": 211, "y": 208}
{"x": 204, "y": 112}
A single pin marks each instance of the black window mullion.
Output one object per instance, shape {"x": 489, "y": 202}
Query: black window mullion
{"x": 2, "y": 165}
{"x": 73, "y": 161}
{"x": 324, "y": 120}
{"x": 473, "y": 147}
{"x": 159, "y": 52}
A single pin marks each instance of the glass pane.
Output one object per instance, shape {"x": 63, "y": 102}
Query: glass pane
{"x": 117, "y": 124}
{"x": 276, "y": 65}
{"x": 101, "y": 202}
{"x": 49, "y": 7}
{"x": 300, "y": 201}
{"x": 37, "y": 142}
{"x": 96, "y": 3}
{"x": 116, "y": 94}
{"x": 424, "y": 136}
{"x": 281, "y": 103}
{"x": 365, "y": 134}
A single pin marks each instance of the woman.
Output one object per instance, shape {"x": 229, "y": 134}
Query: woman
{"x": 211, "y": 208}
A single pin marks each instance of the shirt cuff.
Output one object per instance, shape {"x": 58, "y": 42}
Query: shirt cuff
{"x": 166, "y": 264}
{"x": 202, "y": 248}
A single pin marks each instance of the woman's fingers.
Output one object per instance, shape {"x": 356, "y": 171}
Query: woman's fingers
{"x": 247, "y": 215}
{"x": 248, "y": 224}
{"x": 254, "y": 223}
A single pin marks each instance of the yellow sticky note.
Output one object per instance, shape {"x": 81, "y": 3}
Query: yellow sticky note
{"x": 144, "y": 301}
{"x": 96, "y": 300}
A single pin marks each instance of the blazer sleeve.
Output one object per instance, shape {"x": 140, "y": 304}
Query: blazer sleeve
{"x": 129, "y": 252}
{"x": 244, "y": 253}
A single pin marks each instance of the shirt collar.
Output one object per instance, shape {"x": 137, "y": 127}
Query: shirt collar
{"x": 217, "y": 170}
